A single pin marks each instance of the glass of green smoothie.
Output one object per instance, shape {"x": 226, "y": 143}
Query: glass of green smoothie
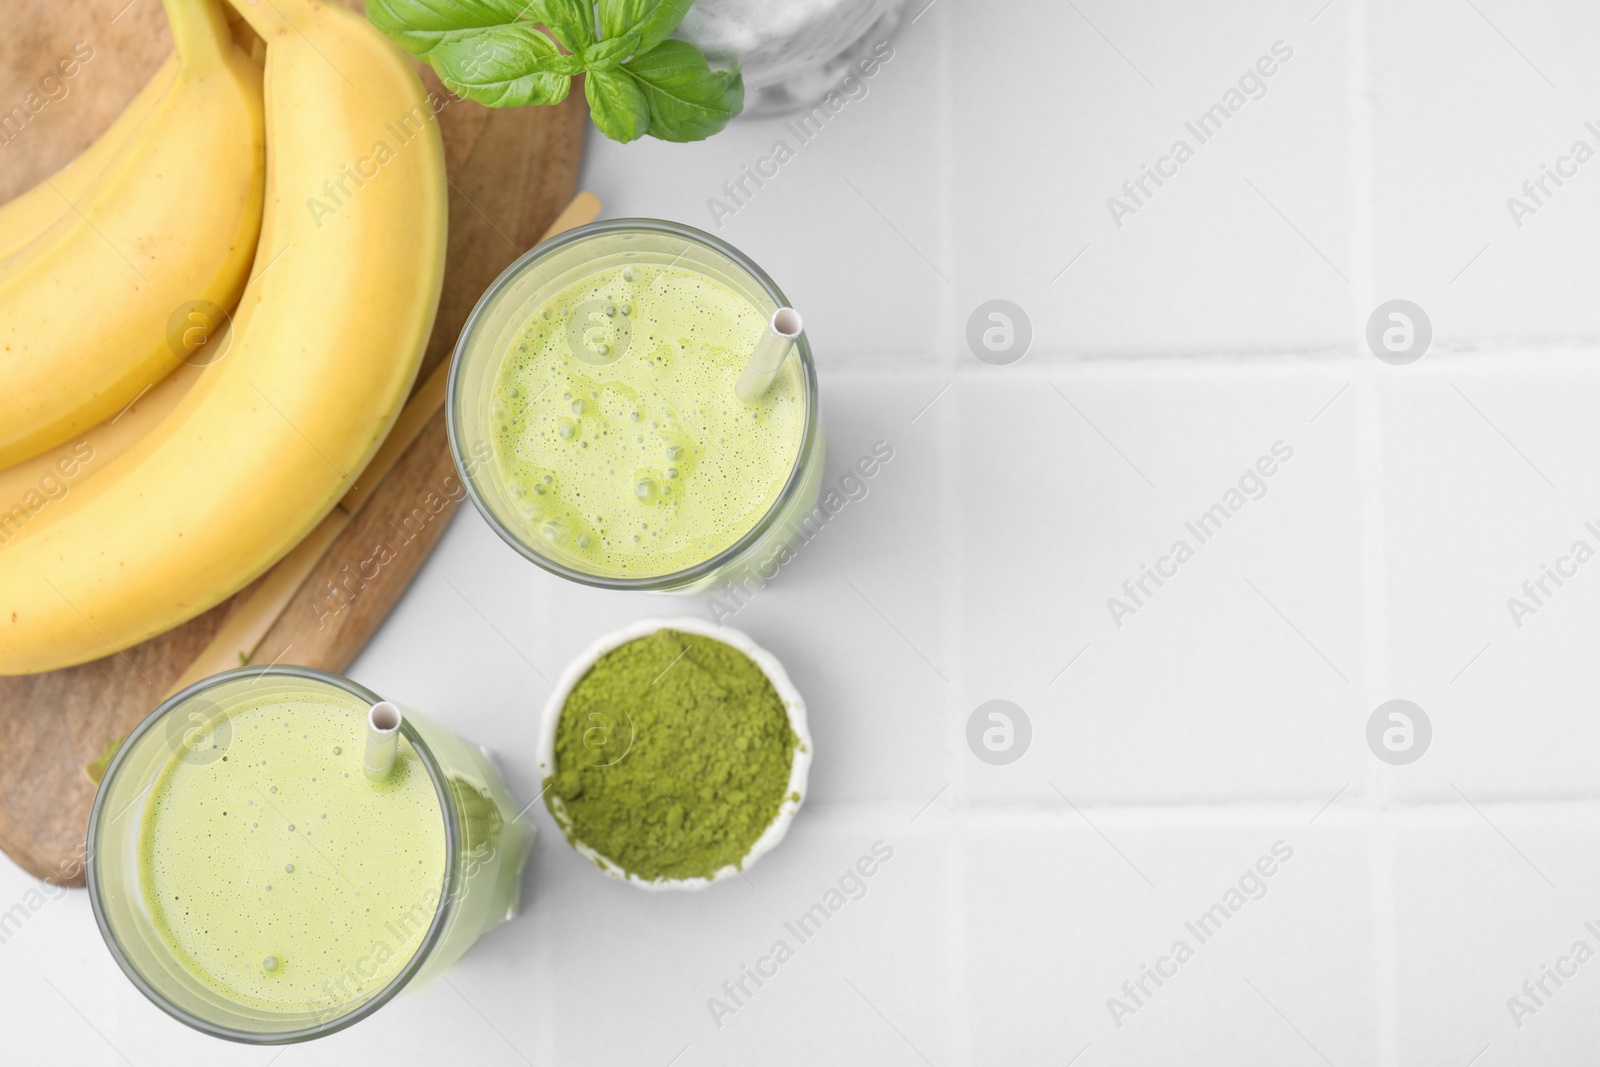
{"x": 253, "y": 882}
{"x": 594, "y": 415}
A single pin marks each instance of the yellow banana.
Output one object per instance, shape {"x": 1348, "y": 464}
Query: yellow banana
{"x": 29, "y": 214}
{"x": 41, "y": 482}
{"x": 85, "y": 307}
{"x": 325, "y": 344}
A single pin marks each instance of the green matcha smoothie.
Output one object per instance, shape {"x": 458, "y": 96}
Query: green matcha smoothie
{"x": 255, "y": 884}
{"x": 609, "y": 421}
{"x": 276, "y": 874}
{"x": 616, "y": 429}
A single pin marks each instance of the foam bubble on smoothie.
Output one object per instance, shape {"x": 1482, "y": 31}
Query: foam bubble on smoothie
{"x": 261, "y": 899}
{"x": 618, "y": 434}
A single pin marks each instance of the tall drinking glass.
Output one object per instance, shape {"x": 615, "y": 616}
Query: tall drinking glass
{"x": 593, "y": 414}
{"x": 253, "y": 883}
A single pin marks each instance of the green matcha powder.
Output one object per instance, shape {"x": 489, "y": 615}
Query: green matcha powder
{"x": 672, "y": 757}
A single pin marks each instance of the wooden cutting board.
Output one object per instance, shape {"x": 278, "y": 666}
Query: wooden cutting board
{"x": 511, "y": 171}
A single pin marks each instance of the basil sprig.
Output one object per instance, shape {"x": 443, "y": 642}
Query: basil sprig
{"x": 504, "y": 53}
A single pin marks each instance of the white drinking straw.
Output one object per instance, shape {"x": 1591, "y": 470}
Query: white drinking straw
{"x": 769, "y": 354}
{"x": 383, "y": 741}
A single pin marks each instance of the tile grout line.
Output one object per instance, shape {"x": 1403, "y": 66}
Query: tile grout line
{"x": 1374, "y": 524}
{"x": 946, "y": 356}
{"x": 1117, "y": 365}
{"x": 1432, "y": 813}
{"x": 1378, "y": 794}
{"x": 959, "y": 1032}
{"x": 1386, "y": 951}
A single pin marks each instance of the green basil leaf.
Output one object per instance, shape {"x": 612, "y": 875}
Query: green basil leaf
{"x": 617, "y": 104}
{"x": 638, "y": 79}
{"x": 572, "y": 21}
{"x": 420, "y": 26}
{"x": 688, "y": 100}
{"x": 611, "y": 52}
{"x": 653, "y": 19}
{"x": 506, "y": 66}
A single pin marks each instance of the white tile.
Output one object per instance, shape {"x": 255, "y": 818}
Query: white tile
{"x": 1077, "y": 106}
{"x": 1074, "y": 482}
{"x": 1487, "y": 478}
{"x": 1468, "y": 102}
{"x": 1058, "y": 919}
{"x": 1475, "y": 917}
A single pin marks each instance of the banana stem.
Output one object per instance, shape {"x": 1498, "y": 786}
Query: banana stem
{"x": 199, "y": 33}
{"x": 272, "y": 19}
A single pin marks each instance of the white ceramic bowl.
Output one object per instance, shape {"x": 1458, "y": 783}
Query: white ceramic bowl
{"x": 799, "y": 768}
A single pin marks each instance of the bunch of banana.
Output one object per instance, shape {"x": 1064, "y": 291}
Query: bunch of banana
{"x": 170, "y": 220}
{"x": 238, "y": 466}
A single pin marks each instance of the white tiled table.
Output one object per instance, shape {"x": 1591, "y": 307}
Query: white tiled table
{"x": 1228, "y": 713}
